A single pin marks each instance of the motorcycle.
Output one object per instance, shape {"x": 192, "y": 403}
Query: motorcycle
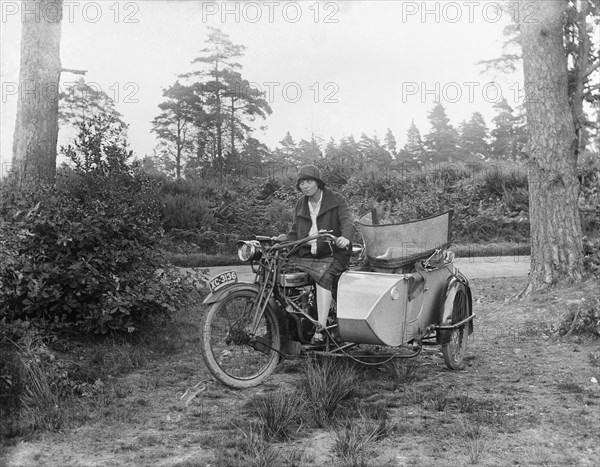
{"x": 401, "y": 292}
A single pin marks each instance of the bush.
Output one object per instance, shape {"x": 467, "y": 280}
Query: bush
{"x": 490, "y": 201}
{"x": 488, "y": 205}
{"x": 85, "y": 253}
{"x": 188, "y": 204}
{"x": 203, "y": 216}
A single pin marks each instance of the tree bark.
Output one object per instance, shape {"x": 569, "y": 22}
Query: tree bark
{"x": 556, "y": 237}
{"x": 233, "y": 126}
{"x": 582, "y": 63}
{"x": 36, "y": 127}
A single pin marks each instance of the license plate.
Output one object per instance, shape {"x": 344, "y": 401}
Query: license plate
{"x": 220, "y": 281}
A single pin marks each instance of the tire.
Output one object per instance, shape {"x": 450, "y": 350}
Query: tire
{"x": 454, "y": 351}
{"x": 235, "y": 357}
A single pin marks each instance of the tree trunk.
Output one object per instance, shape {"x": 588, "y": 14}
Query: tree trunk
{"x": 233, "y": 126}
{"x": 36, "y": 127}
{"x": 179, "y": 145}
{"x": 581, "y": 68}
{"x": 556, "y": 250}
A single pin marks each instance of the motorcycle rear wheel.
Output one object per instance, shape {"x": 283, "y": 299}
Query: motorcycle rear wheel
{"x": 235, "y": 356}
{"x": 454, "y": 351}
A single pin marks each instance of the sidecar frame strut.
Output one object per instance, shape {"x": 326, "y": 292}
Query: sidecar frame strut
{"x": 452, "y": 327}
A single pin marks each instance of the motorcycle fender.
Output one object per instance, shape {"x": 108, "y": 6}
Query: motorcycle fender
{"x": 220, "y": 294}
{"x": 453, "y": 285}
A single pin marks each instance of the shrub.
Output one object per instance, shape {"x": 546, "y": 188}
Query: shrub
{"x": 583, "y": 316}
{"x": 85, "y": 252}
{"x": 490, "y": 201}
{"x": 188, "y": 204}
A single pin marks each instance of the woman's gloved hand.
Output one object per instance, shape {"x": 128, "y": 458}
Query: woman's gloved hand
{"x": 342, "y": 242}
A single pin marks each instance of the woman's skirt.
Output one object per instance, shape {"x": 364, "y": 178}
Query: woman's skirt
{"x": 325, "y": 271}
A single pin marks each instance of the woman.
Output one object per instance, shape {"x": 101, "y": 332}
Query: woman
{"x": 322, "y": 209}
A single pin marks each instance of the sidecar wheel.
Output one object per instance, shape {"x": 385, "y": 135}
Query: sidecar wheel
{"x": 233, "y": 355}
{"x": 454, "y": 350}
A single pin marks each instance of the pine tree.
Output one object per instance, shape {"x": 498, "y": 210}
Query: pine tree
{"x": 309, "y": 152}
{"x": 174, "y": 126}
{"x": 580, "y": 28}
{"x": 83, "y": 102}
{"x": 414, "y": 150}
{"x": 230, "y": 103}
{"x": 372, "y": 154}
{"x": 287, "y": 152}
{"x": 472, "y": 143}
{"x": 441, "y": 142}
{"x": 390, "y": 142}
{"x": 507, "y": 135}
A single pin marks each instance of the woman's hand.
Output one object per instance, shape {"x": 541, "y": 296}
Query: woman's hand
{"x": 342, "y": 242}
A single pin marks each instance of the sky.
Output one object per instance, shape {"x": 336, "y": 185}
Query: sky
{"x": 329, "y": 68}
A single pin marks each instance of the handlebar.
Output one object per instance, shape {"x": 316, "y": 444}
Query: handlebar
{"x": 298, "y": 243}
{"x": 278, "y": 239}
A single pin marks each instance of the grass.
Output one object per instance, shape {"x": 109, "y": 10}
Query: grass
{"x": 354, "y": 441}
{"x": 40, "y": 392}
{"x": 466, "y": 404}
{"x": 351, "y": 444}
{"x": 33, "y": 396}
{"x": 352, "y": 415}
{"x": 402, "y": 371}
{"x": 259, "y": 452}
{"x": 472, "y": 433}
{"x": 570, "y": 386}
{"x": 437, "y": 401}
{"x": 328, "y": 382}
{"x": 279, "y": 413}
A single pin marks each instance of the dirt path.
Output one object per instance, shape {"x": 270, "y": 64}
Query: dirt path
{"x": 525, "y": 398}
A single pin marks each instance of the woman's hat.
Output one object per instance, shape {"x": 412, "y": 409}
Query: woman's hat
{"x": 309, "y": 172}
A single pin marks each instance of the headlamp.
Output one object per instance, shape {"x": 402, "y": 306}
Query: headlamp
{"x": 249, "y": 250}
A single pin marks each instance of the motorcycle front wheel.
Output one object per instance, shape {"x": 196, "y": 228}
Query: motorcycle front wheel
{"x": 236, "y": 356}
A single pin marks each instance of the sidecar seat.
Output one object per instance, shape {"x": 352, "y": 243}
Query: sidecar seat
{"x": 394, "y": 248}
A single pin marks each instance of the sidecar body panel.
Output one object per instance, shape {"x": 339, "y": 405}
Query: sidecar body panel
{"x": 370, "y": 308}
{"x": 398, "y": 297}
{"x": 389, "y": 309}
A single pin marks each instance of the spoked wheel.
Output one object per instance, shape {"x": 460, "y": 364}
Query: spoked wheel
{"x": 454, "y": 350}
{"x": 234, "y": 354}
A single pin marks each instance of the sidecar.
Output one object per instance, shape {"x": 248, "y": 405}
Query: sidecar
{"x": 408, "y": 292}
